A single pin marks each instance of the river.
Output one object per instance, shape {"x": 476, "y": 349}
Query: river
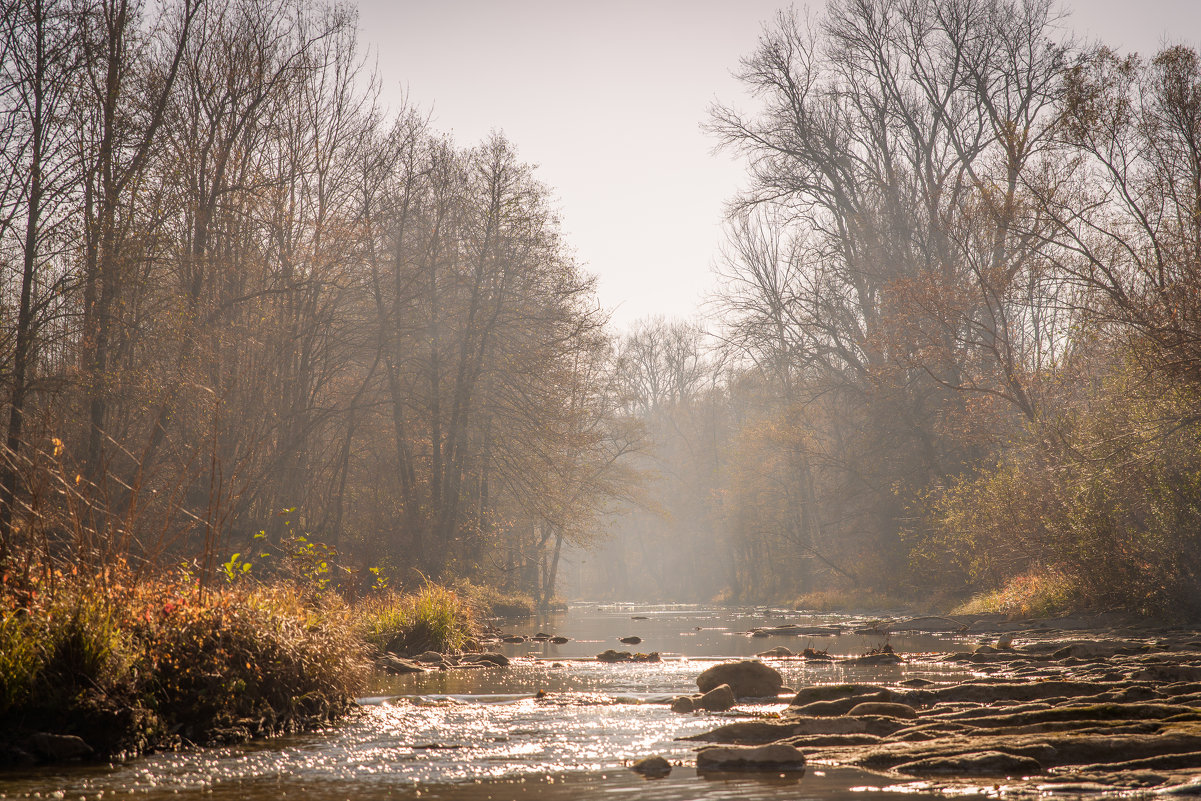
{"x": 487, "y": 733}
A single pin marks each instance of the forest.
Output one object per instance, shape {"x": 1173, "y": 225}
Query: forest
{"x": 257, "y": 323}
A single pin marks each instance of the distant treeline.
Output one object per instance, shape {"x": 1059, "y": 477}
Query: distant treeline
{"x": 238, "y": 295}
{"x": 959, "y": 331}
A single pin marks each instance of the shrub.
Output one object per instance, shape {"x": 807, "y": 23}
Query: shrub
{"x": 260, "y": 657}
{"x": 1037, "y": 593}
{"x": 1107, "y": 497}
{"x": 121, "y": 663}
{"x": 487, "y": 601}
{"x": 433, "y": 619}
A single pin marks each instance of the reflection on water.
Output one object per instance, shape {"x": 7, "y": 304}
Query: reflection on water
{"x": 483, "y": 733}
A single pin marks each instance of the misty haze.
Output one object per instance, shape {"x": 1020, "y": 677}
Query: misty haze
{"x": 537, "y": 399}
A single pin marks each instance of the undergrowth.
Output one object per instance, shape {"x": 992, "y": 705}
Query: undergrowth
{"x": 133, "y": 666}
{"x": 1034, "y": 594}
{"x": 434, "y": 618}
{"x": 487, "y": 601}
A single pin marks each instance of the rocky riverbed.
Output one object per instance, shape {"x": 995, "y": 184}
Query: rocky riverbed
{"x": 1041, "y": 713}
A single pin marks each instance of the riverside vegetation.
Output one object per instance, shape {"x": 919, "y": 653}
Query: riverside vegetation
{"x": 115, "y": 666}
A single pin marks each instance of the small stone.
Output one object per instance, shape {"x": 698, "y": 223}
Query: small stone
{"x": 652, "y": 767}
{"x": 630, "y": 640}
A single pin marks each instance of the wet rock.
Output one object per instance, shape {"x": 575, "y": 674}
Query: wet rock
{"x": 614, "y": 656}
{"x": 652, "y": 767}
{"x": 794, "y": 630}
{"x": 487, "y": 658}
{"x": 430, "y": 657}
{"x": 748, "y": 679}
{"x": 1095, "y": 649}
{"x": 834, "y": 692}
{"x": 748, "y": 732}
{"x": 917, "y": 683}
{"x": 1168, "y": 673}
{"x": 1019, "y": 690}
{"x": 776, "y": 758}
{"x": 653, "y": 656}
{"x": 639, "y": 617}
{"x": 930, "y": 623}
{"x": 719, "y": 699}
{"x": 779, "y": 652}
{"x": 985, "y": 763}
{"x": 684, "y": 704}
{"x": 557, "y": 640}
{"x": 630, "y": 640}
{"x": 541, "y": 636}
{"x": 877, "y": 659}
{"x": 882, "y": 708}
{"x": 1191, "y": 787}
{"x": 58, "y": 747}
{"x": 514, "y": 638}
{"x": 395, "y": 666}
{"x": 836, "y": 708}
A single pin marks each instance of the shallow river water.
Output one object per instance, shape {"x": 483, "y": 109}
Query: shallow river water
{"x": 486, "y": 733}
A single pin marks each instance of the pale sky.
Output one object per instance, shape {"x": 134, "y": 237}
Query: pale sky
{"x": 607, "y": 98}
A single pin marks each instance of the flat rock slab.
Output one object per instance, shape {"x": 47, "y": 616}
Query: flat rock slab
{"x": 985, "y": 763}
{"x": 776, "y": 758}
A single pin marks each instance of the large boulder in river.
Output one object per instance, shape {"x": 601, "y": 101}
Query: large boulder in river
{"x": 748, "y": 679}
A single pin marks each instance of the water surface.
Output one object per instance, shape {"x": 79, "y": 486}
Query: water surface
{"x": 554, "y": 725}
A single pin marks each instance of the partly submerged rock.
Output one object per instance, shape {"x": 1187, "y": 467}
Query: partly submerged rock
{"x": 984, "y": 763}
{"x": 630, "y": 640}
{"x": 834, "y": 692}
{"x": 58, "y": 747}
{"x": 394, "y": 665}
{"x": 614, "y": 656}
{"x": 499, "y": 660}
{"x": 652, "y": 767}
{"x": 684, "y": 704}
{"x": 719, "y": 699}
{"x": 747, "y": 732}
{"x": 776, "y": 757}
{"x": 748, "y": 679}
{"x": 882, "y": 708}
{"x": 779, "y": 652}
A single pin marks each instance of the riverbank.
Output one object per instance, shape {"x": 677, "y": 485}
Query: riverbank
{"x": 111, "y": 667}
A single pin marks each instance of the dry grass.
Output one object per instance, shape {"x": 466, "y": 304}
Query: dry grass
{"x": 435, "y": 618}
{"x": 1038, "y": 593}
{"x": 122, "y": 663}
